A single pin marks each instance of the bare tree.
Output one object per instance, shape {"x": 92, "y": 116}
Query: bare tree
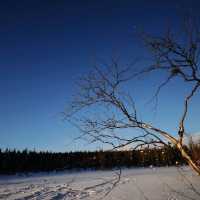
{"x": 104, "y": 90}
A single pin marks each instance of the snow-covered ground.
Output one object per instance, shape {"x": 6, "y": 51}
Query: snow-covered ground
{"x": 134, "y": 184}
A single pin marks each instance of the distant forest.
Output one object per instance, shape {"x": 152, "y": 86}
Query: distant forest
{"x": 13, "y": 161}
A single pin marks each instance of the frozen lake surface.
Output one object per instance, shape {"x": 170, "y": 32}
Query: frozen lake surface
{"x": 166, "y": 183}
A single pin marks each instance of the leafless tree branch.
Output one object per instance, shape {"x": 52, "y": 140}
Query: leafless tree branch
{"x": 104, "y": 89}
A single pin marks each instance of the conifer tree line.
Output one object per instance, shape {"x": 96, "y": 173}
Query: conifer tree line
{"x": 13, "y": 161}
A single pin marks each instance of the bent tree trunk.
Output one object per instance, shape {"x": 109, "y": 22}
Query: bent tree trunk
{"x": 178, "y": 144}
{"x": 188, "y": 159}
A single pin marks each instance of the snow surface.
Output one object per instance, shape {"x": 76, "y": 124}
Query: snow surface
{"x": 167, "y": 183}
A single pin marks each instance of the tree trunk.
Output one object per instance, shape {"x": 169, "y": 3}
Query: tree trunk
{"x": 185, "y": 155}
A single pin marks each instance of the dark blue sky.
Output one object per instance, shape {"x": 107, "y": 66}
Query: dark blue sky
{"x": 46, "y": 45}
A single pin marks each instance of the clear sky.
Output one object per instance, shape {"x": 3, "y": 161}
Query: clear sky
{"x": 45, "y": 45}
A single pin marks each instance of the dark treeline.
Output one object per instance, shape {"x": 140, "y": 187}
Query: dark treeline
{"x": 12, "y": 161}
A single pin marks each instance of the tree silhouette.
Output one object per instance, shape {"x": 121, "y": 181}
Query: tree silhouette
{"x": 103, "y": 89}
